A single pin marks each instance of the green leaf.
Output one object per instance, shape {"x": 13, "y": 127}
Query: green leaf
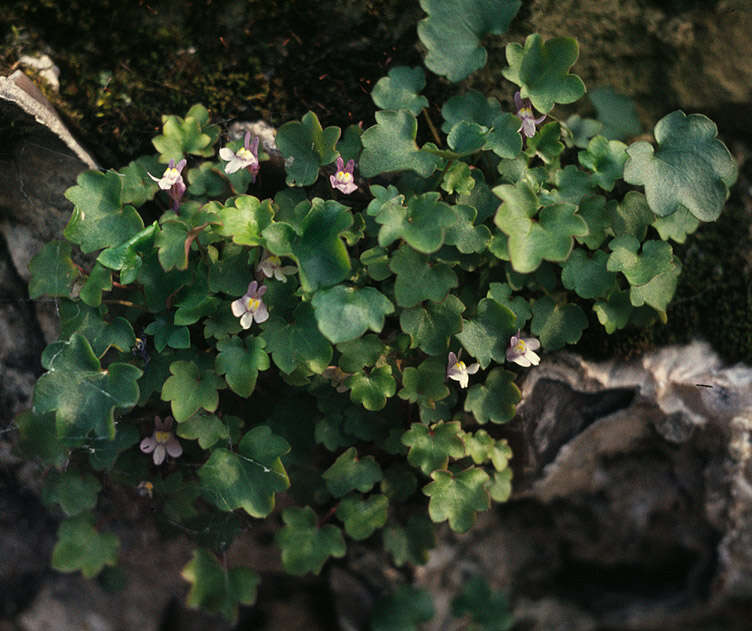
{"x": 103, "y": 452}
{"x": 297, "y": 343}
{"x": 605, "y": 158}
{"x": 82, "y": 395}
{"x": 457, "y": 497}
{"x": 676, "y": 226}
{"x": 541, "y": 69}
{"x": 389, "y": 146}
{"x": 240, "y": 362}
{"x": 581, "y": 130}
{"x": 230, "y": 273}
{"x": 317, "y": 248}
{"x": 376, "y": 261}
{"x": 496, "y": 400}
{"x": 362, "y": 517}
{"x": 453, "y": 30}
{"x": 207, "y": 428}
{"x": 465, "y": 236}
{"x": 501, "y": 485}
{"x": 489, "y": 611}
{"x": 502, "y": 293}
{"x": 138, "y": 187}
{"x": 306, "y": 147}
{"x": 653, "y": 274}
{"x": 482, "y": 447}
{"x": 190, "y": 389}
{"x": 614, "y": 313}
{"x": 99, "y": 220}
{"x": 80, "y": 547}
{"x": 37, "y": 438}
{"x": 588, "y": 276}
{"x": 504, "y": 138}
{"x": 400, "y": 90}
{"x": 430, "y": 449}
{"x": 195, "y": 301}
{"x": 412, "y": 543}
{"x": 245, "y": 220}
{"x": 597, "y": 213}
{"x": 425, "y": 384}
{"x": 632, "y": 216}
{"x": 345, "y": 313}
{"x": 617, "y": 112}
{"x": 350, "y": 473}
{"x": 306, "y": 546}
{"x": 372, "y": 389}
{"x": 430, "y": 327}
{"x": 216, "y": 588}
{"x": 399, "y": 482}
{"x": 691, "y": 169}
{"x": 76, "y": 317}
{"x": 549, "y": 237}
{"x": 485, "y": 337}
{"x": 165, "y": 333}
{"x": 189, "y": 135}
{"x": 467, "y": 137}
{"x": 125, "y": 257}
{"x": 73, "y": 491}
{"x": 349, "y": 145}
{"x": 363, "y": 351}
{"x": 557, "y": 325}
{"x": 250, "y": 478}
{"x": 422, "y": 223}
{"x": 404, "y": 610}
{"x": 171, "y": 241}
{"x": 471, "y": 106}
{"x": 457, "y": 178}
{"x": 419, "y": 279}
{"x": 52, "y": 271}
{"x": 546, "y": 143}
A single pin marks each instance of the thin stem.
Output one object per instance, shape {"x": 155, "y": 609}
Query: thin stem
{"x": 432, "y": 127}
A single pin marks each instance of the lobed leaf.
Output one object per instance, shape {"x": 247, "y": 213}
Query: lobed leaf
{"x": 306, "y": 546}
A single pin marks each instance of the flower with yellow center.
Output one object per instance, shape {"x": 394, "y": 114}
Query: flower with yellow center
{"x": 343, "y": 179}
{"x": 459, "y": 371}
{"x": 520, "y": 350}
{"x": 250, "y": 306}
{"x": 271, "y": 267}
{"x": 162, "y": 442}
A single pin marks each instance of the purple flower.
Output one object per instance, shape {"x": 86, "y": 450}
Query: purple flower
{"x": 271, "y": 267}
{"x": 343, "y": 179}
{"x": 520, "y": 350}
{"x": 245, "y": 158}
{"x": 459, "y": 371}
{"x": 251, "y": 307}
{"x": 525, "y": 114}
{"x": 172, "y": 181}
{"x": 162, "y": 441}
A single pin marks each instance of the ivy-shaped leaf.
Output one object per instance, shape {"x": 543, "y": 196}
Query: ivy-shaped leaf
{"x": 362, "y": 517}
{"x": 597, "y": 213}
{"x": 372, "y": 389}
{"x": 165, "y": 333}
{"x": 412, "y": 543}
{"x": 405, "y": 609}
{"x": 99, "y": 280}
{"x": 502, "y": 293}
{"x": 189, "y": 135}
{"x": 317, "y": 247}
{"x": 171, "y": 242}
{"x": 216, "y": 588}
{"x": 676, "y": 226}
{"x": 390, "y": 146}
{"x": 297, "y": 343}
{"x": 190, "y": 389}
{"x": 557, "y": 325}
{"x": 616, "y": 112}
{"x": 465, "y": 236}
{"x": 419, "y": 279}
{"x": 240, "y": 362}
{"x": 346, "y": 313}
{"x": 363, "y": 351}
{"x": 82, "y": 394}
{"x": 605, "y": 158}
{"x": 541, "y": 69}
{"x": 471, "y": 106}
{"x": 103, "y": 452}
{"x": 430, "y": 449}
{"x": 306, "y": 147}
{"x": 482, "y": 447}
{"x": 81, "y": 547}
{"x": 489, "y": 611}
{"x": 614, "y": 312}
{"x": 422, "y": 223}
{"x": 306, "y": 546}
{"x": 458, "y": 178}
{"x": 496, "y": 400}
{"x": 351, "y": 473}
{"x": 138, "y": 187}
{"x": 400, "y": 90}
{"x": 99, "y": 219}
{"x": 250, "y": 478}
{"x": 73, "y": 491}
{"x": 424, "y": 384}
{"x": 691, "y": 169}
{"x": 546, "y": 144}
{"x": 245, "y": 219}
{"x": 430, "y": 327}
{"x": 453, "y": 30}
{"x": 206, "y": 428}
{"x": 52, "y": 271}
{"x": 631, "y": 216}
{"x": 38, "y": 439}
{"x": 588, "y": 276}
{"x": 485, "y": 336}
{"x": 457, "y": 497}
{"x": 572, "y": 185}
{"x": 653, "y": 274}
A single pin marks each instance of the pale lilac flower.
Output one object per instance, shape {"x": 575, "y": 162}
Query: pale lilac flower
{"x": 525, "y": 114}
{"x": 459, "y": 371}
{"x": 521, "y": 349}
{"x": 162, "y": 441}
{"x": 271, "y": 267}
{"x": 244, "y": 158}
{"x": 343, "y": 179}
{"x": 172, "y": 181}
{"x": 251, "y": 307}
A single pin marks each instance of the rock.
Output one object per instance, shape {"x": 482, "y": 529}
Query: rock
{"x": 46, "y": 68}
